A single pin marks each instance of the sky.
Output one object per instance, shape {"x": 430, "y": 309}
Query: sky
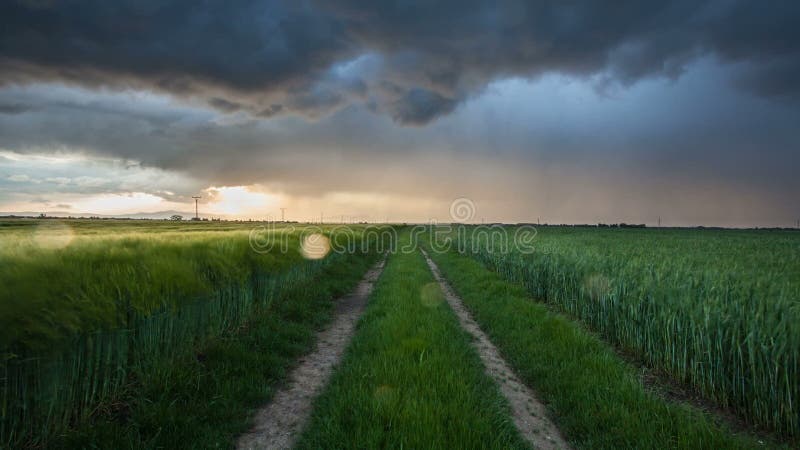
{"x": 548, "y": 111}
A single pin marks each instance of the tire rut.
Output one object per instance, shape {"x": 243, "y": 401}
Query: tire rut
{"x": 528, "y": 413}
{"x": 278, "y": 423}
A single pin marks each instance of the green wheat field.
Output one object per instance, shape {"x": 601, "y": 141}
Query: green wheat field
{"x": 157, "y": 334}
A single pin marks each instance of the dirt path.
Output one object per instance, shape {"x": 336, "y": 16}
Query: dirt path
{"x": 278, "y": 423}
{"x": 530, "y": 415}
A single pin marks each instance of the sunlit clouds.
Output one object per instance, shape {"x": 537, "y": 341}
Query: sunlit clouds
{"x": 241, "y": 201}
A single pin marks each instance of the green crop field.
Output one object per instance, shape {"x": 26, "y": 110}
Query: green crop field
{"x": 87, "y": 305}
{"x": 717, "y": 309}
{"x": 157, "y": 334}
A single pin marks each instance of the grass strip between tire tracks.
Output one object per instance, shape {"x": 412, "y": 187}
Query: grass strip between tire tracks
{"x": 410, "y": 378}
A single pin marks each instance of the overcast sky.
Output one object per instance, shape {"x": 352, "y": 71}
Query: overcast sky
{"x": 559, "y": 111}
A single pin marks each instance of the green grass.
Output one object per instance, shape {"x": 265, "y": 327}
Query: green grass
{"x": 204, "y": 400}
{"x": 410, "y": 378}
{"x": 716, "y": 309}
{"x": 597, "y": 399}
{"x": 123, "y": 298}
{"x": 62, "y": 278}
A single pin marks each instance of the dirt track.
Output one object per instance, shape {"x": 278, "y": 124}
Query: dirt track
{"x": 278, "y": 423}
{"x": 529, "y": 414}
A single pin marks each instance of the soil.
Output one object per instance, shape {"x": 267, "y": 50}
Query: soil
{"x": 528, "y": 413}
{"x": 278, "y": 424}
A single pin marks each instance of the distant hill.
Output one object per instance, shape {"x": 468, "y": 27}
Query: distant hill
{"x": 137, "y": 215}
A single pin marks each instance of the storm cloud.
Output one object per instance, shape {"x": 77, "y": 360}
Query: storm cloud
{"x": 413, "y": 61}
{"x": 568, "y": 111}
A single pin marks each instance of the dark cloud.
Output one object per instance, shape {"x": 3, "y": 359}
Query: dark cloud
{"x": 277, "y": 57}
{"x": 270, "y": 111}
{"x": 221, "y": 51}
{"x": 224, "y": 105}
{"x": 693, "y": 151}
{"x": 777, "y": 79}
{"x": 14, "y": 108}
{"x": 677, "y": 127}
{"x": 420, "y": 106}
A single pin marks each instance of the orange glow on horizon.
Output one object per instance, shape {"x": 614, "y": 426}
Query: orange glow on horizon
{"x": 240, "y": 201}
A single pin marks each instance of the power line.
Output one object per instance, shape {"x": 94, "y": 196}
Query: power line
{"x": 196, "y": 216}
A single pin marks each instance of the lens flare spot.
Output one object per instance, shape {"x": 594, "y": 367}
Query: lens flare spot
{"x": 385, "y": 399}
{"x": 597, "y": 286}
{"x": 53, "y": 235}
{"x": 315, "y": 246}
{"x": 431, "y": 295}
{"x": 384, "y": 393}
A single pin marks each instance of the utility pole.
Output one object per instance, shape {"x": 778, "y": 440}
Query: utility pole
{"x": 659, "y": 221}
{"x": 196, "y": 216}
{"x": 283, "y": 214}
{"x": 321, "y": 218}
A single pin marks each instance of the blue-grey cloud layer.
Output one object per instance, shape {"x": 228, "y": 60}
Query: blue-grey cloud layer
{"x": 584, "y": 111}
{"x": 412, "y": 60}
